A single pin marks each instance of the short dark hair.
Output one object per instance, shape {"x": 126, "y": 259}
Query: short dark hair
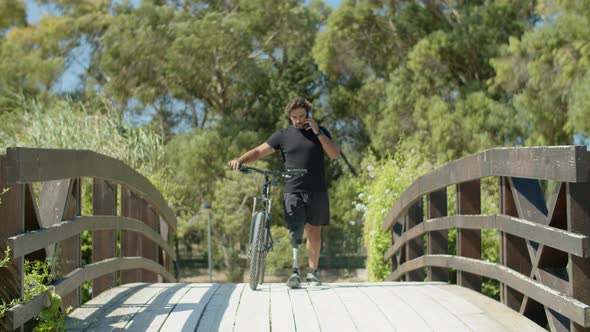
{"x": 298, "y": 102}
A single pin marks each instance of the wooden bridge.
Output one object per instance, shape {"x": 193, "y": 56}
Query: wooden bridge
{"x": 543, "y": 270}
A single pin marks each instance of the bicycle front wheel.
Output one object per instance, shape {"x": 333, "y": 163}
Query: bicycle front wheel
{"x": 257, "y": 249}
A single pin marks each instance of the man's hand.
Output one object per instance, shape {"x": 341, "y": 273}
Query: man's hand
{"x": 234, "y": 164}
{"x": 312, "y": 125}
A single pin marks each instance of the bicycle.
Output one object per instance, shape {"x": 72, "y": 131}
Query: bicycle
{"x": 260, "y": 240}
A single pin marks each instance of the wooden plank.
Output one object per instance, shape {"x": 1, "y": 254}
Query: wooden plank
{"x": 153, "y": 316}
{"x": 91, "y": 271}
{"x": 31, "y": 241}
{"x": 332, "y": 312}
{"x": 510, "y": 320}
{"x": 401, "y": 316}
{"x": 98, "y": 307}
{"x": 562, "y": 240}
{"x": 436, "y": 316}
{"x": 188, "y": 310}
{"x": 281, "y": 312}
{"x": 303, "y": 311}
{"x": 118, "y": 317}
{"x": 469, "y": 240}
{"x": 565, "y": 305}
{"x": 254, "y": 310}
{"x": 28, "y": 165}
{"x": 220, "y": 313}
{"x": 471, "y": 315}
{"x": 104, "y": 242}
{"x": 23, "y": 313}
{"x": 130, "y": 241}
{"x": 365, "y": 314}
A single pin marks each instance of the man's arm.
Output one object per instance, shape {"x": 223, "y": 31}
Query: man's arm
{"x": 251, "y": 156}
{"x": 332, "y": 149}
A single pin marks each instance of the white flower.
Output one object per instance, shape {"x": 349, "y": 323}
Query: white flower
{"x": 370, "y": 197}
{"x": 361, "y": 195}
{"x": 353, "y": 202}
{"x": 370, "y": 168}
{"x": 387, "y": 191}
{"x": 351, "y": 223}
{"x": 383, "y": 211}
{"x": 372, "y": 175}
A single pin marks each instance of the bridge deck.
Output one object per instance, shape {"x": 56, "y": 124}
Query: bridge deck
{"x": 331, "y": 307}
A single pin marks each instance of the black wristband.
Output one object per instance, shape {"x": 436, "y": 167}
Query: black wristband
{"x": 319, "y": 133}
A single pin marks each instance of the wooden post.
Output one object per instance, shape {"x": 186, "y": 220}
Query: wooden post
{"x": 131, "y": 207}
{"x": 165, "y": 260}
{"x": 469, "y": 240}
{"x": 148, "y": 248}
{"x": 415, "y": 247}
{"x": 104, "y": 242}
{"x": 578, "y": 221}
{"x": 513, "y": 250}
{"x": 437, "y": 240}
{"x": 12, "y": 222}
{"x": 70, "y": 250}
{"x": 396, "y": 231}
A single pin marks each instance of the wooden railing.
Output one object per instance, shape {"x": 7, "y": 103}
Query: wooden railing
{"x": 134, "y": 240}
{"x": 544, "y": 268}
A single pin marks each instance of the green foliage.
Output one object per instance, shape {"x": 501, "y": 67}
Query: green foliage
{"x": 232, "y": 211}
{"x": 93, "y": 126}
{"x": 37, "y": 275}
{"x": 4, "y": 191}
{"x": 4, "y": 261}
{"x": 387, "y": 180}
{"x": 546, "y": 72}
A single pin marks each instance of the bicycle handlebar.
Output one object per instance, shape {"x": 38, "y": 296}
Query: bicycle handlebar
{"x": 285, "y": 173}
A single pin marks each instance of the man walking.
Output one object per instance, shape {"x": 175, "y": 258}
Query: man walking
{"x": 302, "y": 145}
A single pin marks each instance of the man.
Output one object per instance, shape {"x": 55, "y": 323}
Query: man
{"x": 302, "y": 146}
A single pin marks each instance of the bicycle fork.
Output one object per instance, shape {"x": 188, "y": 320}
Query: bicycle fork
{"x": 267, "y": 203}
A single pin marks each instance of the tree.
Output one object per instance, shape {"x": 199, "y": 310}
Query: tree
{"x": 420, "y": 68}
{"x": 545, "y": 73}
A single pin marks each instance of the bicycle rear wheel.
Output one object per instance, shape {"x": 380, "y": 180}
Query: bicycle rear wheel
{"x": 257, "y": 250}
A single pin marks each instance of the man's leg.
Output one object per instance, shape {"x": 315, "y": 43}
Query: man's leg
{"x": 295, "y": 218}
{"x": 314, "y": 243}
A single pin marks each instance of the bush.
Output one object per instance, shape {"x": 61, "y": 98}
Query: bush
{"x": 385, "y": 181}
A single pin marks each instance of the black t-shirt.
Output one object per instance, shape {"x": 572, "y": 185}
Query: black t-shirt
{"x": 301, "y": 148}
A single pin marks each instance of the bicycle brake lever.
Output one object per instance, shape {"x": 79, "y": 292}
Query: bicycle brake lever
{"x": 244, "y": 169}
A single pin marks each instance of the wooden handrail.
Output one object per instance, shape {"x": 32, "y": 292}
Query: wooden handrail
{"x": 27, "y": 165}
{"x": 569, "y": 242}
{"x": 38, "y": 239}
{"x": 557, "y": 163}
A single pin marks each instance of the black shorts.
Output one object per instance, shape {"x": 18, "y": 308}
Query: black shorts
{"x": 305, "y": 208}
